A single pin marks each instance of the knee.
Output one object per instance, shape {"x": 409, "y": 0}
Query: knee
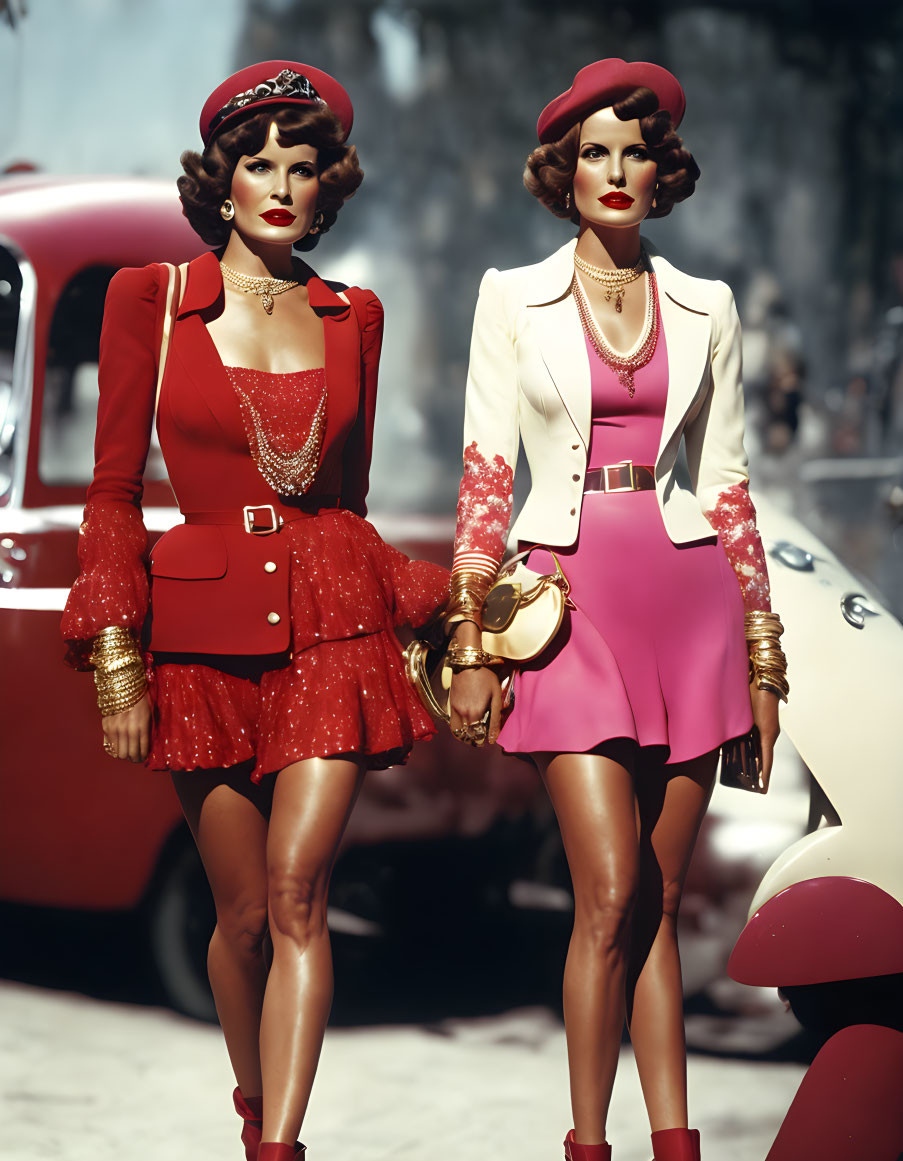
{"x": 297, "y": 905}
{"x": 243, "y": 926}
{"x": 671, "y": 893}
{"x": 604, "y": 913}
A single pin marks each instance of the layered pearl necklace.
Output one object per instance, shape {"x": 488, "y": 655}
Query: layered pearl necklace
{"x": 626, "y": 364}
{"x": 614, "y": 281}
{"x": 264, "y": 288}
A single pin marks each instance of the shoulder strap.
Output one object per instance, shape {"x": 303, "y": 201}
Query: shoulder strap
{"x": 174, "y": 283}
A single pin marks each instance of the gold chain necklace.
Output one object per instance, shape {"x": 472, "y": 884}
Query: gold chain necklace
{"x": 264, "y": 288}
{"x": 624, "y": 365}
{"x": 614, "y": 281}
{"x": 291, "y": 474}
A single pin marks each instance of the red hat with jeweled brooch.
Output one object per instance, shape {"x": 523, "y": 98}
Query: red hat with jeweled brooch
{"x": 273, "y": 82}
{"x": 600, "y": 84}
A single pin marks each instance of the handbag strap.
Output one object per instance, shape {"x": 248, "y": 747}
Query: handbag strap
{"x": 558, "y": 576}
{"x": 174, "y": 283}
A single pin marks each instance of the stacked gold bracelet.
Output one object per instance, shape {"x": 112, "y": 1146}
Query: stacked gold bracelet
{"x": 468, "y": 591}
{"x": 118, "y": 670}
{"x": 469, "y": 657}
{"x": 767, "y": 663}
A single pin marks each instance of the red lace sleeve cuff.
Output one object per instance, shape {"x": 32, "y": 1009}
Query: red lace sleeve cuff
{"x": 484, "y": 512}
{"x": 734, "y": 519}
{"x": 112, "y": 585}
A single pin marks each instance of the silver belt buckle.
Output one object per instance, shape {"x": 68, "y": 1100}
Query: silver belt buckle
{"x": 631, "y": 487}
{"x": 250, "y": 520}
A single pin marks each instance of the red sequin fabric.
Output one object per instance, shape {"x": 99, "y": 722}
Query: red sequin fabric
{"x": 112, "y": 585}
{"x": 734, "y": 518}
{"x": 484, "y": 511}
{"x": 270, "y": 406}
{"x": 343, "y": 690}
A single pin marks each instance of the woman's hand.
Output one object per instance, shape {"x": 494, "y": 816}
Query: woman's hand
{"x": 127, "y": 734}
{"x": 473, "y": 692}
{"x": 765, "y": 716}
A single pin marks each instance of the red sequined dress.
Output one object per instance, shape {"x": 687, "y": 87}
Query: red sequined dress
{"x": 343, "y": 689}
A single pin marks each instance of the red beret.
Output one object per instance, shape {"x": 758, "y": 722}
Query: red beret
{"x": 273, "y": 82}
{"x": 601, "y": 84}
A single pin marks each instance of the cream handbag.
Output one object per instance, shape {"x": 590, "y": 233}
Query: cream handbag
{"x": 522, "y": 613}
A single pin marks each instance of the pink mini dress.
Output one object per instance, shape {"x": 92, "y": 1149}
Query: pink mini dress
{"x": 654, "y": 650}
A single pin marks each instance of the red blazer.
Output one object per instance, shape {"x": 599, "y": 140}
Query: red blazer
{"x": 210, "y": 590}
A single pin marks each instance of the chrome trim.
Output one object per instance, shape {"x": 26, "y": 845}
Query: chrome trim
{"x": 19, "y": 413}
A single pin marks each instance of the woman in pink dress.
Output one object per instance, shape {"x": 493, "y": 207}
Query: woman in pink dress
{"x": 603, "y": 360}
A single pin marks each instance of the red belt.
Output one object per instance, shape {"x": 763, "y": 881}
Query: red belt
{"x": 264, "y": 519}
{"x": 624, "y": 477}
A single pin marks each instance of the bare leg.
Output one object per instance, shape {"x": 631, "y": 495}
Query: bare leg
{"x": 593, "y": 797}
{"x": 312, "y": 801}
{"x": 227, "y": 815}
{"x": 673, "y": 801}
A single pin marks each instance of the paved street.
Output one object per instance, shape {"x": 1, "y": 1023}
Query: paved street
{"x": 84, "y": 1079}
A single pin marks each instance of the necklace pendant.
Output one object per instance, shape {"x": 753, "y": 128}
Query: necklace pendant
{"x": 267, "y": 300}
{"x": 618, "y": 300}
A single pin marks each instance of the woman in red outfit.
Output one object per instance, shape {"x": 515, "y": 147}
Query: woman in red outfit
{"x": 253, "y": 655}
{"x": 604, "y": 359}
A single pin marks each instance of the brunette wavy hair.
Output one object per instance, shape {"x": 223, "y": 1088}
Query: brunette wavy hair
{"x": 208, "y": 176}
{"x": 550, "y": 169}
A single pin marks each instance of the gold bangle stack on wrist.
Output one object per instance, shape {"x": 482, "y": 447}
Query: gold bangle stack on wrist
{"x": 767, "y": 663}
{"x": 118, "y": 670}
{"x": 469, "y": 657}
{"x": 468, "y": 591}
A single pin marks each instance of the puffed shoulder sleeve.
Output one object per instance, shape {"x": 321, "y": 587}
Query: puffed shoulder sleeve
{"x": 112, "y": 585}
{"x": 359, "y": 445}
{"x": 719, "y": 467}
{"x": 491, "y": 435}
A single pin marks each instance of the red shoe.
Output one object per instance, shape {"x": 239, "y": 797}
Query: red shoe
{"x": 576, "y": 1152}
{"x": 250, "y": 1109}
{"x": 676, "y": 1145}
{"x": 276, "y": 1151}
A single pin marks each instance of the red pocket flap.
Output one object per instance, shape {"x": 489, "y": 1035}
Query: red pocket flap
{"x": 190, "y": 552}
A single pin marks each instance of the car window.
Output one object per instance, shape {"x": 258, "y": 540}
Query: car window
{"x": 70, "y": 384}
{"x": 10, "y": 294}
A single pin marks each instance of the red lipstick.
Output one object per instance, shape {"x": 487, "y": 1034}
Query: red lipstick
{"x": 278, "y": 217}
{"x": 617, "y": 201}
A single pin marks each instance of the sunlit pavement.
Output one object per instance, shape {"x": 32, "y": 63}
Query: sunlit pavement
{"x": 84, "y": 1079}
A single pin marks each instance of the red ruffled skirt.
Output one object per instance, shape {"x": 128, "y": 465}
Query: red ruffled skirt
{"x": 342, "y": 691}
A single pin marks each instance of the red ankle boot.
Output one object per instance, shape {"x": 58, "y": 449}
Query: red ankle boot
{"x": 576, "y": 1152}
{"x": 676, "y": 1145}
{"x": 250, "y": 1109}
{"x": 276, "y": 1151}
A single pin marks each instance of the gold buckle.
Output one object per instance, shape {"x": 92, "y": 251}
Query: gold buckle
{"x": 250, "y": 521}
{"x": 631, "y": 487}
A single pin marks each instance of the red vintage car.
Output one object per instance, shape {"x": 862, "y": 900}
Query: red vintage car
{"x": 81, "y": 831}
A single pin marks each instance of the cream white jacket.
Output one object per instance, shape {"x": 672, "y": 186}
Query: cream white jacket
{"x": 529, "y": 380}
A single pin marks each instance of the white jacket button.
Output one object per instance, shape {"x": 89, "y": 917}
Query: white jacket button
{"x": 270, "y": 566}
{"x": 273, "y": 618}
